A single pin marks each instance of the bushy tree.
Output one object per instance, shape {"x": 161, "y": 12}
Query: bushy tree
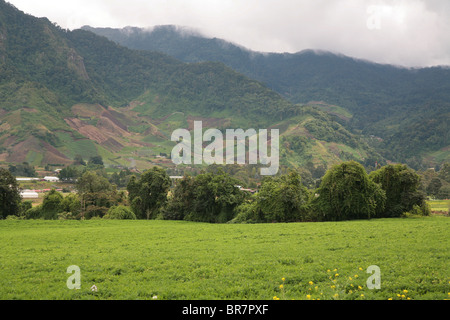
{"x": 434, "y": 186}
{"x": 10, "y": 198}
{"x": 23, "y": 170}
{"x": 209, "y": 197}
{"x": 180, "y": 202}
{"x": 70, "y": 173}
{"x": 51, "y": 205}
{"x": 120, "y": 213}
{"x": 283, "y": 199}
{"x": 215, "y": 198}
{"x": 401, "y": 185}
{"x": 148, "y": 194}
{"x": 97, "y": 195}
{"x": 347, "y": 193}
{"x": 444, "y": 173}
{"x": 71, "y": 204}
{"x": 96, "y": 160}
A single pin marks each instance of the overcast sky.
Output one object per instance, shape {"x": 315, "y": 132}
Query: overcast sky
{"x": 401, "y": 32}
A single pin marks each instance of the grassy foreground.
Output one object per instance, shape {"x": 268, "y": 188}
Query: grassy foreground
{"x": 182, "y": 260}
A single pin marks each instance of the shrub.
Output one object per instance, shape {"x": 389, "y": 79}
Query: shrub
{"x": 120, "y": 213}
{"x": 247, "y": 213}
{"x": 418, "y": 211}
{"x": 66, "y": 216}
{"x": 34, "y": 213}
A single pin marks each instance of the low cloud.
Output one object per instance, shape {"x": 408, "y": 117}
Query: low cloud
{"x": 401, "y": 32}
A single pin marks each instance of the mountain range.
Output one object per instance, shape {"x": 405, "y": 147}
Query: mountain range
{"x": 408, "y": 108}
{"x": 69, "y": 93}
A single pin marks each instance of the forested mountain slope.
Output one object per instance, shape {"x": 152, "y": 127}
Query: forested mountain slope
{"x": 408, "y": 110}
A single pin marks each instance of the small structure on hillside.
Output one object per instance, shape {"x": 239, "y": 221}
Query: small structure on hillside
{"x": 29, "y": 194}
{"x": 51, "y": 179}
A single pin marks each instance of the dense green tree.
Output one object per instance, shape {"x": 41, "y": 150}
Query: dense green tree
{"x": 78, "y": 161}
{"x": 444, "y": 192}
{"x": 347, "y": 193}
{"x": 70, "y": 173}
{"x": 122, "y": 178}
{"x": 209, "y": 197}
{"x": 97, "y": 160}
{"x": 215, "y": 196}
{"x": 71, "y": 204}
{"x": 283, "y": 199}
{"x": 10, "y": 198}
{"x": 180, "y": 202}
{"x": 96, "y": 193}
{"x": 23, "y": 170}
{"x": 434, "y": 186}
{"x": 401, "y": 185}
{"x": 51, "y": 205}
{"x": 444, "y": 173}
{"x": 148, "y": 194}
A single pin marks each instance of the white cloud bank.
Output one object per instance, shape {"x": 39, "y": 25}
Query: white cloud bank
{"x": 401, "y": 32}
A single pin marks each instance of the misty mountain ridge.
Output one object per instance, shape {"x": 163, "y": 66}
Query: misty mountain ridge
{"x": 179, "y": 33}
{"x": 69, "y": 93}
{"x": 408, "y": 108}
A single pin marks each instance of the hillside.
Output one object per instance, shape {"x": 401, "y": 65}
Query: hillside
{"x": 66, "y": 93}
{"x": 408, "y": 110}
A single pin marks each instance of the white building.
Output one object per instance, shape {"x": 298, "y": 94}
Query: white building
{"x": 29, "y": 194}
{"x": 51, "y": 179}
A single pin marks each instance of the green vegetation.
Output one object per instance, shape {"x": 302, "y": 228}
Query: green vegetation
{"x": 406, "y": 108}
{"x": 9, "y": 195}
{"x": 149, "y": 194}
{"x": 436, "y": 184}
{"x": 346, "y": 193}
{"x": 208, "y": 197}
{"x": 174, "y": 260}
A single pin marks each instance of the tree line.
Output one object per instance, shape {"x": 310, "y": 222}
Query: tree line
{"x": 346, "y": 192}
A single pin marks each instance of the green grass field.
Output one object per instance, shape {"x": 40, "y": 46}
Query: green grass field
{"x": 194, "y": 261}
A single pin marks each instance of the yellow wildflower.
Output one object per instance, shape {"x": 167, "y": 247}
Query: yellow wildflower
{"x": 311, "y": 283}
